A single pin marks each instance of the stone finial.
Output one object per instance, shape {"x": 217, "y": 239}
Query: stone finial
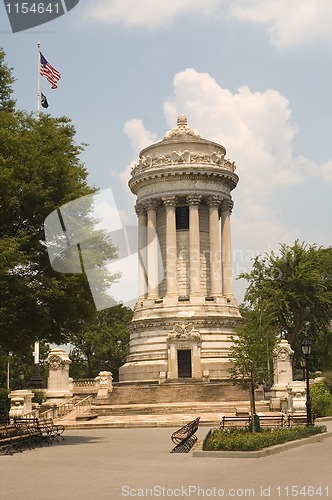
{"x": 181, "y": 129}
{"x": 182, "y": 120}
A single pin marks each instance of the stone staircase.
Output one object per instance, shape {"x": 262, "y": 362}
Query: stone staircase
{"x": 171, "y": 408}
{"x": 180, "y": 397}
{"x": 176, "y": 392}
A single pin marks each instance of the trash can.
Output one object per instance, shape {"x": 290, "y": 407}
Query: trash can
{"x": 257, "y": 425}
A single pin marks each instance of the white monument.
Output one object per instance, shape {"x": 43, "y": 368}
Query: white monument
{"x": 182, "y": 325}
{"x": 58, "y": 384}
{"x": 287, "y": 395}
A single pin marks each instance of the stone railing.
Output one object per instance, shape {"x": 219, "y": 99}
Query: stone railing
{"x": 98, "y": 388}
{"x": 83, "y": 406}
{"x": 85, "y": 386}
{"x": 93, "y": 386}
{"x": 66, "y": 407}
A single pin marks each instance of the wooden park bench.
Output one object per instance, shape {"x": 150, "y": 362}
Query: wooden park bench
{"x": 28, "y": 432}
{"x": 267, "y": 420}
{"x": 14, "y": 438}
{"x": 44, "y": 428}
{"x": 49, "y": 429}
{"x": 299, "y": 419}
{"x": 185, "y": 438}
{"x": 233, "y": 421}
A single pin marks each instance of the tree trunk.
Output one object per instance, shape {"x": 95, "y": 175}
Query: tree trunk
{"x": 252, "y": 404}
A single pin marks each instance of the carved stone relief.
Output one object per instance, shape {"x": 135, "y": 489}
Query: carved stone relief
{"x": 215, "y": 158}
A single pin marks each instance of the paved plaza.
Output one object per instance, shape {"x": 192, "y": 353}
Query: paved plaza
{"x": 114, "y": 464}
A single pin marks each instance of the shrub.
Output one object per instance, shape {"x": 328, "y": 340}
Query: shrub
{"x": 321, "y": 400}
{"x": 38, "y": 396}
{"x": 244, "y": 440}
{"x": 328, "y": 381}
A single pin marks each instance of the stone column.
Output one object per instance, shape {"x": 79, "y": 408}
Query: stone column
{"x": 170, "y": 203}
{"x": 215, "y": 269}
{"x": 152, "y": 249}
{"x": 58, "y": 376}
{"x": 141, "y": 243}
{"x": 226, "y": 248}
{"x": 194, "y": 245}
{"x": 283, "y": 373}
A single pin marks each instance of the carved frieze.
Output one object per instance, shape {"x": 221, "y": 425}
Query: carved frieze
{"x": 184, "y": 334}
{"x": 180, "y": 156}
{"x": 176, "y": 157}
{"x": 165, "y": 324}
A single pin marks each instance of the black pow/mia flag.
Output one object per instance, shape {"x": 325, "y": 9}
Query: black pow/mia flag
{"x": 43, "y": 101}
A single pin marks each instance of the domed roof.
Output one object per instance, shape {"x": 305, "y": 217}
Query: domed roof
{"x": 182, "y": 154}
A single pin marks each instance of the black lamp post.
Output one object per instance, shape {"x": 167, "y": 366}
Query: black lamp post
{"x": 302, "y": 364}
{"x": 306, "y": 349}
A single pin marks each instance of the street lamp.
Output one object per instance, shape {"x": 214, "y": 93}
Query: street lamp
{"x": 8, "y": 369}
{"x": 306, "y": 349}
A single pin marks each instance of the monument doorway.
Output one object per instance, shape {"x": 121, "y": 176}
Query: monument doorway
{"x": 184, "y": 363}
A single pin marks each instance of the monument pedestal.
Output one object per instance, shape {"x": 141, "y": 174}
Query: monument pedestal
{"x": 58, "y": 384}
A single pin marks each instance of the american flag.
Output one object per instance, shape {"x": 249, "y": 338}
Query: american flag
{"x": 50, "y": 73}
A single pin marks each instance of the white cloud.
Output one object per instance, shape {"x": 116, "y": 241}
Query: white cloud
{"x": 139, "y": 138}
{"x": 138, "y": 135}
{"x": 327, "y": 171}
{"x": 148, "y": 13}
{"x": 254, "y": 126}
{"x": 289, "y": 23}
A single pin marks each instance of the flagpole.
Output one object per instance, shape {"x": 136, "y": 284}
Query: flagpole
{"x": 38, "y": 83}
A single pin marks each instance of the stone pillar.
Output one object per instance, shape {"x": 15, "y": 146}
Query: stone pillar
{"x": 20, "y": 403}
{"x": 194, "y": 245}
{"x": 215, "y": 269}
{"x": 152, "y": 250}
{"x": 142, "y": 244}
{"x": 104, "y": 383}
{"x": 170, "y": 203}
{"x": 283, "y": 373}
{"x": 296, "y": 397}
{"x": 58, "y": 376}
{"x": 226, "y": 248}
{"x": 282, "y": 363}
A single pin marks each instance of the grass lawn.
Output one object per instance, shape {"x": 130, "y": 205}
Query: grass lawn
{"x": 244, "y": 440}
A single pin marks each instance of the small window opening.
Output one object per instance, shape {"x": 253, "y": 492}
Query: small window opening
{"x": 182, "y": 218}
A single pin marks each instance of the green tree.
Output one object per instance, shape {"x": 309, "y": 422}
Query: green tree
{"x": 295, "y": 287}
{"x": 251, "y": 353}
{"x": 102, "y": 344}
{"x": 6, "y": 82}
{"x": 321, "y": 400}
{"x": 40, "y": 170}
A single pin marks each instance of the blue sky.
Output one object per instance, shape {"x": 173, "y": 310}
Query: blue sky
{"x": 254, "y": 75}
